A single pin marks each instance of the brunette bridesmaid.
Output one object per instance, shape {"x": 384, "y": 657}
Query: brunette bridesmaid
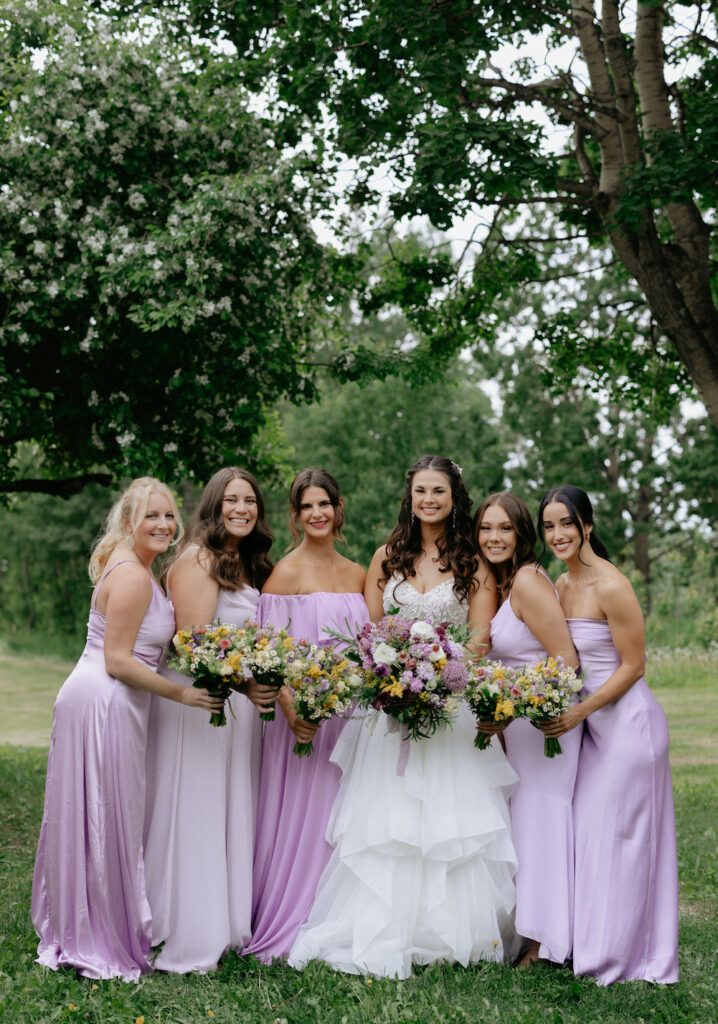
{"x": 202, "y": 781}
{"x": 529, "y": 626}
{"x": 89, "y": 904}
{"x": 311, "y": 590}
{"x": 626, "y": 901}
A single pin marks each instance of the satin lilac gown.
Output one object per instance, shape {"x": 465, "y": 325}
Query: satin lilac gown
{"x": 199, "y": 825}
{"x": 541, "y": 805}
{"x": 626, "y": 907}
{"x": 89, "y": 904}
{"x": 296, "y": 795}
{"x": 423, "y": 864}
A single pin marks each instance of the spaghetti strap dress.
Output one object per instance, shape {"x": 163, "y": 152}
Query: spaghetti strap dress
{"x": 199, "y": 822}
{"x": 626, "y": 904}
{"x": 541, "y": 805}
{"x": 296, "y": 795}
{"x": 89, "y": 902}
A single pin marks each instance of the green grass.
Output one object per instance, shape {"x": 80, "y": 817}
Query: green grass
{"x": 244, "y": 992}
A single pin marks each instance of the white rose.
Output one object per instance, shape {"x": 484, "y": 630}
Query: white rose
{"x": 384, "y": 654}
{"x": 421, "y": 631}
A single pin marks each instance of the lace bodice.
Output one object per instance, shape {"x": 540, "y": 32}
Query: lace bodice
{"x": 440, "y": 604}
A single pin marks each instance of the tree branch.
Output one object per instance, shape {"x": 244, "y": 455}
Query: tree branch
{"x": 63, "y": 487}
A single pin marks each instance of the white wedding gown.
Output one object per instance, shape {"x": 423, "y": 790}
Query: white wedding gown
{"x": 423, "y": 864}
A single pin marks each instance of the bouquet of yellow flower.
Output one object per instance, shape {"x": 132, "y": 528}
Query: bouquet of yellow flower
{"x": 323, "y": 682}
{"x": 548, "y": 688}
{"x": 493, "y": 694}
{"x": 213, "y": 656}
{"x": 266, "y": 652}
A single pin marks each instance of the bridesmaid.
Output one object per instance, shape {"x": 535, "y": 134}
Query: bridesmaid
{"x": 528, "y": 626}
{"x": 89, "y": 905}
{"x": 311, "y": 589}
{"x": 202, "y": 781}
{"x": 626, "y": 903}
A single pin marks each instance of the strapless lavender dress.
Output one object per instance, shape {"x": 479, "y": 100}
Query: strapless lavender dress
{"x": 89, "y": 904}
{"x": 626, "y": 906}
{"x": 296, "y": 795}
{"x": 199, "y": 824}
{"x": 541, "y": 811}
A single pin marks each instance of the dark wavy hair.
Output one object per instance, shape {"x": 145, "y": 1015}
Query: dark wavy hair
{"x": 455, "y": 545}
{"x": 525, "y": 552}
{"x": 580, "y": 511}
{"x": 230, "y": 568}
{"x": 314, "y": 478}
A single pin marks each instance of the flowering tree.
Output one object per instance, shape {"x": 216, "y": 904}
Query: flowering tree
{"x": 160, "y": 283}
{"x": 614, "y": 129}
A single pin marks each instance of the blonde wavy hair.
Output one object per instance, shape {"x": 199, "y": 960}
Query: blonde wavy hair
{"x": 129, "y": 509}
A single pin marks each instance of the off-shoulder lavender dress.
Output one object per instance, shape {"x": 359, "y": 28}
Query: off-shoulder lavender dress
{"x": 296, "y": 795}
{"x": 423, "y": 864}
{"x": 199, "y": 825}
{"x": 89, "y": 904}
{"x": 626, "y": 906}
{"x": 541, "y": 806}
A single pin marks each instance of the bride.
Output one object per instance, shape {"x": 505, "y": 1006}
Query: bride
{"x": 423, "y": 862}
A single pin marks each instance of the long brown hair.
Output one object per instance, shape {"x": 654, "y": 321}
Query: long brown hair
{"x": 455, "y": 545}
{"x": 525, "y": 553}
{"x": 230, "y": 568}
{"x": 314, "y": 478}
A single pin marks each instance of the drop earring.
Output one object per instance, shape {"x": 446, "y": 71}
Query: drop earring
{"x": 413, "y": 520}
{"x": 453, "y": 518}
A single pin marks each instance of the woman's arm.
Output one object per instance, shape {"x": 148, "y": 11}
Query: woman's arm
{"x": 374, "y": 586}
{"x": 194, "y": 592}
{"x": 129, "y": 592}
{"x": 483, "y": 604}
{"x": 625, "y": 620}
{"x": 534, "y": 602}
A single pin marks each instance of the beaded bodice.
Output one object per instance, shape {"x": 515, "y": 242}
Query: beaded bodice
{"x": 440, "y": 604}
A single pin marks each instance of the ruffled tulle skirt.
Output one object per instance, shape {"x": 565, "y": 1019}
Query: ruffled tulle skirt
{"x": 423, "y": 864}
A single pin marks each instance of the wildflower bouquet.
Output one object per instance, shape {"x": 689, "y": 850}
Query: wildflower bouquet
{"x": 494, "y": 695}
{"x": 266, "y": 652}
{"x": 323, "y": 682}
{"x": 213, "y": 656}
{"x": 549, "y": 688}
{"x": 413, "y": 670}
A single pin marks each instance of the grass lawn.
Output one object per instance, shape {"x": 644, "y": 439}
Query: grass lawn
{"x": 243, "y": 992}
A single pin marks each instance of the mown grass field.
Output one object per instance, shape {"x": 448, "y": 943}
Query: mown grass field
{"x": 243, "y": 992}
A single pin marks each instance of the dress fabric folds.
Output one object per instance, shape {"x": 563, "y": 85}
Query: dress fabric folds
{"x": 89, "y": 902}
{"x": 202, "y": 786}
{"x": 541, "y": 806}
{"x": 296, "y": 795}
{"x": 423, "y": 861}
{"x": 626, "y": 916}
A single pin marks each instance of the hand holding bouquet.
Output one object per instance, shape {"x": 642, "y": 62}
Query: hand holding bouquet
{"x": 213, "y": 656}
{"x": 549, "y": 688}
{"x": 266, "y": 652}
{"x": 323, "y": 683}
{"x": 494, "y": 695}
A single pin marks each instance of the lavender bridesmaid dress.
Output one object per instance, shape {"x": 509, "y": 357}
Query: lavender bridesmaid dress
{"x": 199, "y": 821}
{"x": 626, "y": 916}
{"x": 541, "y": 813}
{"x": 89, "y": 905}
{"x": 296, "y": 795}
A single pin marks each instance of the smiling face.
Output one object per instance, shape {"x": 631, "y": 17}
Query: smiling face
{"x": 154, "y": 532}
{"x": 239, "y": 510}
{"x": 431, "y": 498}
{"x": 563, "y": 537}
{"x": 316, "y": 513}
{"x": 497, "y": 535}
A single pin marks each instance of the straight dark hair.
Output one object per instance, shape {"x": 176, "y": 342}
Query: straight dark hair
{"x": 525, "y": 552}
{"x": 455, "y": 545}
{"x": 580, "y": 511}
{"x": 231, "y": 569}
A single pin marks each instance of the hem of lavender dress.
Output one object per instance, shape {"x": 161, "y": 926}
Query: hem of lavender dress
{"x": 54, "y": 960}
{"x": 612, "y": 978}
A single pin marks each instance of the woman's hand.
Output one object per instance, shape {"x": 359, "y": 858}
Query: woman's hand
{"x": 491, "y": 728}
{"x": 263, "y": 697}
{"x": 564, "y": 723}
{"x": 304, "y": 731}
{"x": 194, "y": 697}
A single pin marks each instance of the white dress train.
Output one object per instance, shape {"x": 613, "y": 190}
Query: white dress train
{"x": 423, "y": 864}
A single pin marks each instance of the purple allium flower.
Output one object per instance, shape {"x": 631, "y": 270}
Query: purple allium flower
{"x": 455, "y": 676}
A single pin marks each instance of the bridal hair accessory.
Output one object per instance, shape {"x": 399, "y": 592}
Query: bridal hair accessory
{"x": 459, "y": 469}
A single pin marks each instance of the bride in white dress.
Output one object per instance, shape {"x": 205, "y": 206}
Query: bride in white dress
{"x": 423, "y": 864}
